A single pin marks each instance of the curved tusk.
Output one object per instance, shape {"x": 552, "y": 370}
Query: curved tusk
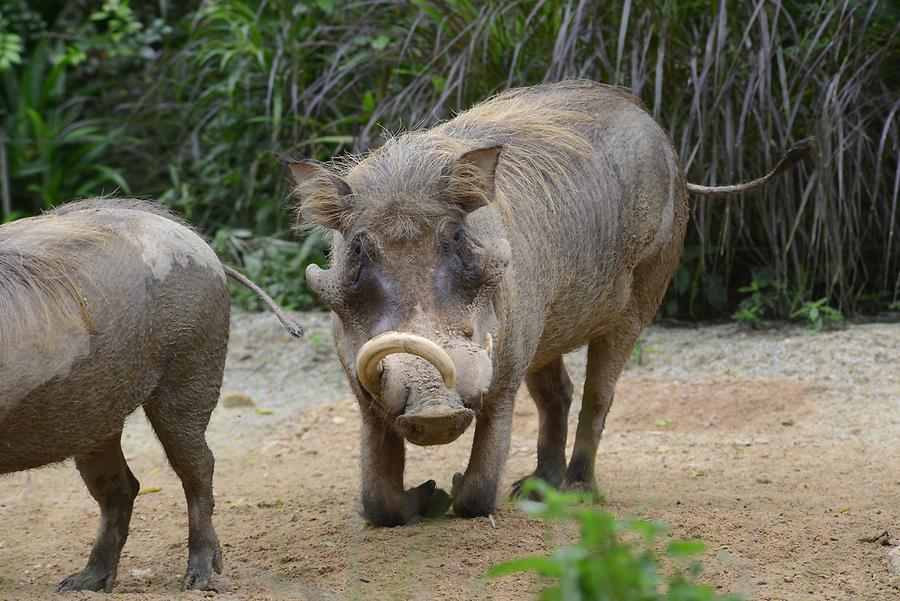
{"x": 389, "y": 343}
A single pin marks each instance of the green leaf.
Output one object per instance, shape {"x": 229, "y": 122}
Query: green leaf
{"x": 534, "y": 563}
{"x": 114, "y": 176}
{"x": 326, "y": 5}
{"x": 685, "y": 548}
{"x": 380, "y": 42}
{"x": 368, "y": 102}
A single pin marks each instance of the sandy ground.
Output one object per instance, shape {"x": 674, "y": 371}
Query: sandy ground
{"x": 780, "y": 448}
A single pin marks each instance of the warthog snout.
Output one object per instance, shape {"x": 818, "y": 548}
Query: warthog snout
{"x": 425, "y": 410}
{"x": 433, "y": 418}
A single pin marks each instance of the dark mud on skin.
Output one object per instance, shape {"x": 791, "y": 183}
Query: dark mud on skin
{"x": 775, "y": 447}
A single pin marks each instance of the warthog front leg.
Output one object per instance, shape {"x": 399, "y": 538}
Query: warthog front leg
{"x": 384, "y": 500}
{"x": 114, "y": 488}
{"x": 551, "y": 389}
{"x": 606, "y": 359}
{"x": 475, "y": 492}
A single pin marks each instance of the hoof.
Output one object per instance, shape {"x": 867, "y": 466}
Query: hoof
{"x": 580, "y": 486}
{"x": 425, "y": 500}
{"x": 469, "y": 502}
{"x": 197, "y": 580}
{"x": 437, "y": 505}
{"x": 199, "y": 573}
{"x": 515, "y": 491}
{"x": 88, "y": 580}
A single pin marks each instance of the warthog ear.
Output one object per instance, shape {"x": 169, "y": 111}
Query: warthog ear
{"x": 470, "y": 180}
{"x": 325, "y": 198}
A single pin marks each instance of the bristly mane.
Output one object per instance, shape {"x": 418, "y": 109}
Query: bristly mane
{"x": 129, "y": 204}
{"x": 546, "y": 142}
{"x": 42, "y": 274}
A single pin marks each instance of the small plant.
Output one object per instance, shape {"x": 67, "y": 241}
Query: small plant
{"x": 637, "y": 353}
{"x": 817, "y": 314}
{"x": 614, "y": 560}
{"x": 765, "y": 294}
{"x": 748, "y": 316}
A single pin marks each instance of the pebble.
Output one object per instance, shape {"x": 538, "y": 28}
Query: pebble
{"x": 142, "y": 575}
{"x": 236, "y": 400}
{"x": 894, "y": 563}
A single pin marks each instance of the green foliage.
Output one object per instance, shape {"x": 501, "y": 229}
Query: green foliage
{"x": 10, "y": 49}
{"x": 56, "y": 150}
{"x": 817, "y": 314}
{"x": 236, "y": 80}
{"x": 694, "y": 290}
{"x": 764, "y": 300}
{"x": 637, "y": 353}
{"x": 275, "y": 264}
{"x": 765, "y": 297}
{"x": 613, "y": 560}
{"x": 636, "y": 356}
{"x": 196, "y": 104}
{"x": 58, "y": 141}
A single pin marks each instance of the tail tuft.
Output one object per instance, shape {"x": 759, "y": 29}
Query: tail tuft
{"x": 794, "y": 155}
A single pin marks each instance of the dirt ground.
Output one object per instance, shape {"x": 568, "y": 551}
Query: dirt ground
{"x": 781, "y": 449}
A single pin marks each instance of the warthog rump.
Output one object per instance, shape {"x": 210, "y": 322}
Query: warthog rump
{"x": 108, "y": 305}
{"x": 470, "y": 257}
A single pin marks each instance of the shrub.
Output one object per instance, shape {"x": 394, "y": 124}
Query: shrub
{"x": 613, "y": 559}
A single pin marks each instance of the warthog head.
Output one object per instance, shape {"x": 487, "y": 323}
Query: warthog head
{"x": 412, "y": 280}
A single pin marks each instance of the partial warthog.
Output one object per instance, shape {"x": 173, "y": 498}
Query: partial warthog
{"x": 469, "y": 257}
{"x": 107, "y": 306}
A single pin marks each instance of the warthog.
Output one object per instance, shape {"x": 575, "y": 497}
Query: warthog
{"x": 472, "y": 256}
{"x": 107, "y": 306}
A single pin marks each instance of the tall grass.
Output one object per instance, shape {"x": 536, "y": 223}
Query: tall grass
{"x": 734, "y": 83}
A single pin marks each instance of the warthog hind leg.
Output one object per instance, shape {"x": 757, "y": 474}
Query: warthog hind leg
{"x": 114, "y": 488}
{"x": 606, "y": 359}
{"x": 551, "y": 389}
{"x": 179, "y": 417}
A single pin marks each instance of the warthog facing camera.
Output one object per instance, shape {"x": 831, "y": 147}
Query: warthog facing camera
{"x": 471, "y": 256}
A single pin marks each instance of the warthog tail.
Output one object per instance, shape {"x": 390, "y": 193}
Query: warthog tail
{"x": 295, "y": 329}
{"x": 794, "y": 155}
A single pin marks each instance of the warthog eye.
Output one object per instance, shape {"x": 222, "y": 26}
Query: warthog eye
{"x": 461, "y": 262}
{"x": 356, "y": 247}
{"x": 355, "y": 263}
